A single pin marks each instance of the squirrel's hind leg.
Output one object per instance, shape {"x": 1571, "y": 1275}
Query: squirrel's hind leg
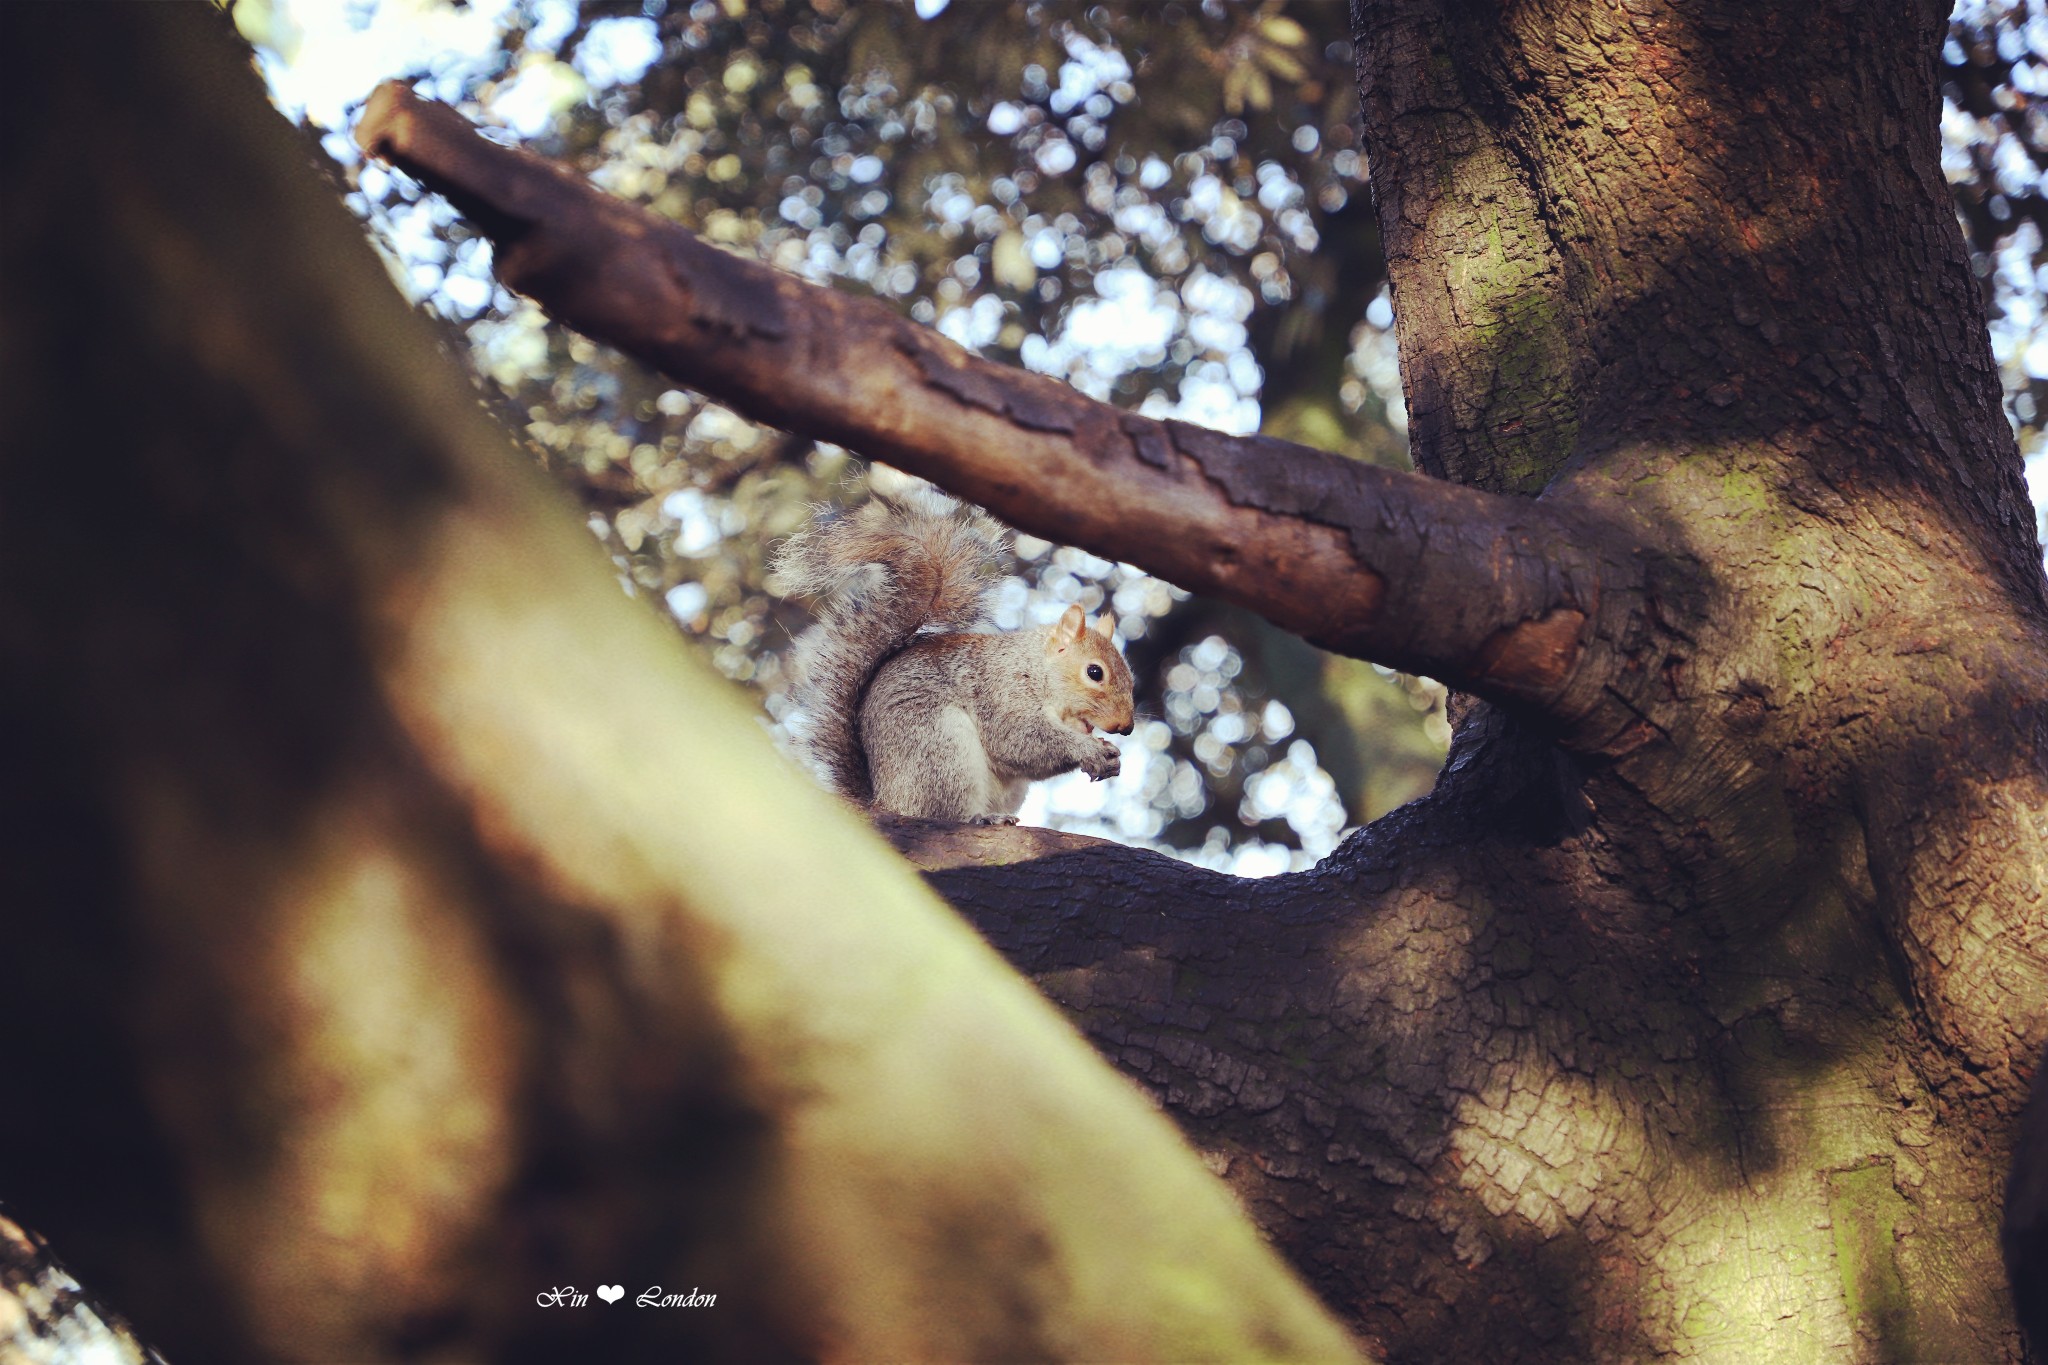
{"x": 1006, "y": 797}
{"x": 930, "y": 767}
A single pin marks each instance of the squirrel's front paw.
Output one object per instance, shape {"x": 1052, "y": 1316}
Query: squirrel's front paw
{"x": 993, "y": 820}
{"x": 1102, "y": 761}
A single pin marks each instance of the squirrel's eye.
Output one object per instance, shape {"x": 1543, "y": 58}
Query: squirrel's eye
{"x": 1095, "y": 673}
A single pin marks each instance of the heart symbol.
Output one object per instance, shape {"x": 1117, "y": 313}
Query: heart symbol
{"x": 610, "y": 1293}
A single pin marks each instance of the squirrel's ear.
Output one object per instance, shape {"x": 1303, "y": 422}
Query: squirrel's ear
{"x": 1073, "y": 624}
{"x": 1103, "y": 628}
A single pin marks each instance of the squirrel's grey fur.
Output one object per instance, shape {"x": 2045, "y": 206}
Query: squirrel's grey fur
{"x": 906, "y": 706}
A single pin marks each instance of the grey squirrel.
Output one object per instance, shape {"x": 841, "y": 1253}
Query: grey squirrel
{"x": 909, "y": 707}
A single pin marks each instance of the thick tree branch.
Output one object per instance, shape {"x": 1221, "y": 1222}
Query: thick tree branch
{"x": 1467, "y": 1033}
{"x": 1492, "y": 594}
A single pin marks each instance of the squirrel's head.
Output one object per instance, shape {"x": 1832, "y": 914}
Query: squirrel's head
{"x": 1095, "y": 680}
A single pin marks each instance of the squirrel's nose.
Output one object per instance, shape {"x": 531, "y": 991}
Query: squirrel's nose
{"x": 1123, "y": 729}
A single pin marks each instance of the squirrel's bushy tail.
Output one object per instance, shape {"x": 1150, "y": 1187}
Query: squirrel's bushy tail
{"x": 883, "y": 572}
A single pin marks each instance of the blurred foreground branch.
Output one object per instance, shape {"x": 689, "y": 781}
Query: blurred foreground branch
{"x": 428, "y": 928}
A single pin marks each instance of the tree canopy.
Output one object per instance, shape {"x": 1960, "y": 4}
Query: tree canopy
{"x": 1028, "y": 201}
{"x": 1136, "y": 201}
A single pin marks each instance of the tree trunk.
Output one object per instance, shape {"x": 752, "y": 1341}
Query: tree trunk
{"x": 1697, "y": 265}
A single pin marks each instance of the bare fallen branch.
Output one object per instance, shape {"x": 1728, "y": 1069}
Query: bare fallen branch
{"x": 1493, "y": 594}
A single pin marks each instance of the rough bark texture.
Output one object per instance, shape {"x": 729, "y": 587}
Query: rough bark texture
{"x": 399, "y": 922}
{"x": 1692, "y": 1014}
{"x": 1731, "y": 290}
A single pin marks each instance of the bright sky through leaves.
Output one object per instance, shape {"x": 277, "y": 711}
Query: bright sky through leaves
{"x": 1148, "y": 309}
